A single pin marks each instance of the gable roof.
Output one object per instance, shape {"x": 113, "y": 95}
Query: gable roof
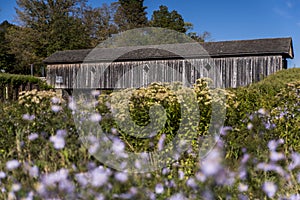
{"x": 257, "y": 47}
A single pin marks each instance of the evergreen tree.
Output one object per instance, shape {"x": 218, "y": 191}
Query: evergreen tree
{"x": 131, "y": 14}
{"x": 170, "y": 20}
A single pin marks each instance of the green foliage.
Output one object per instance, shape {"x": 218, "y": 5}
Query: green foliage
{"x": 131, "y": 14}
{"x": 47, "y": 26}
{"x": 257, "y": 123}
{"x": 7, "y": 60}
{"x": 165, "y": 19}
{"x": 17, "y": 80}
{"x": 276, "y": 97}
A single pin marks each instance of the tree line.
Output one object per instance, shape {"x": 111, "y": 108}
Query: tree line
{"x": 47, "y": 26}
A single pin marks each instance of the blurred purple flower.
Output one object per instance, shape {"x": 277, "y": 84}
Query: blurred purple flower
{"x": 28, "y": 117}
{"x": 55, "y": 100}
{"x": 12, "y": 164}
{"x": 61, "y": 133}
{"x": 96, "y": 117}
{"x": 33, "y": 136}
{"x": 269, "y": 125}
{"x": 165, "y": 171}
{"x": 95, "y": 93}
{"x": 100, "y": 197}
{"x": 243, "y": 173}
{"x": 159, "y": 188}
{"x": 180, "y": 174}
{"x": 72, "y": 105}
{"x": 295, "y": 161}
{"x": 178, "y": 196}
{"x": 34, "y": 171}
{"x": 118, "y": 146}
{"x": 242, "y": 197}
{"x": 272, "y": 145}
{"x": 225, "y": 129}
{"x": 276, "y": 156}
{"x": 66, "y": 186}
{"x": 99, "y": 177}
{"x": 82, "y": 179}
{"x": 93, "y": 148}
{"x": 29, "y": 196}
{"x": 269, "y": 188}
{"x": 2, "y": 175}
{"x": 262, "y": 111}
{"x": 53, "y": 178}
{"x": 245, "y": 158}
{"x": 249, "y": 126}
{"x": 243, "y": 187}
{"x": 58, "y": 141}
{"x": 271, "y": 167}
{"x": 121, "y": 177}
{"x": 294, "y": 197}
{"x": 56, "y": 108}
{"x": 16, "y": 187}
{"x": 191, "y": 183}
{"x": 212, "y": 163}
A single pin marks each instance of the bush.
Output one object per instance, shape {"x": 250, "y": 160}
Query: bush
{"x": 17, "y": 80}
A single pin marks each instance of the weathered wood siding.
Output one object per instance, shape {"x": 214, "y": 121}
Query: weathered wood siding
{"x": 226, "y": 72}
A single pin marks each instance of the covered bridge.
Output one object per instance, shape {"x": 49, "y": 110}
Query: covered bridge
{"x": 228, "y": 63}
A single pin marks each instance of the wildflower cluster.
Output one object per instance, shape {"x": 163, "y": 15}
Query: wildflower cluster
{"x": 42, "y": 156}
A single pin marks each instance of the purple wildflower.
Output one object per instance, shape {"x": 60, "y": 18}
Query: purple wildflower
{"x": 212, "y": 163}
{"x": 159, "y": 188}
{"x": 225, "y": 129}
{"x": 28, "y": 117}
{"x": 33, "y": 136}
{"x": 243, "y": 187}
{"x": 2, "y": 175}
{"x": 96, "y": 117}
{"x": 99, "y": 177}
{"x": 55, "y": 100}
{"x": 56, "y": 108}
{"x": 295, "y": 161}
{"x": 12, "y": 164}
{"x": 58, "y": 141}
{"x": 262, "y": 111}
{"x": 121, "y": 177}
{"x": 178, "y": 196}
{"x": 269, "y": 188}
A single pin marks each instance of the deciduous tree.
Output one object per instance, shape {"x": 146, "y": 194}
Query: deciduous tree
{"x": 47, "y": 26}
{"x": 7, "y": 60}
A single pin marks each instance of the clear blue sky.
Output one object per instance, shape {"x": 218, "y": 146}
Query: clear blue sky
{"x": 225, "y": 20}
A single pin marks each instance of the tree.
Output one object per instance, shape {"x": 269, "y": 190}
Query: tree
{"x": 199, "y": 38}
{"x": 7, "y": 60}
{"x": 99, "y": 23}
{"x": 165, "y": 19}
{"x": 130, "y": 14}
{"x": 47, "y": 26}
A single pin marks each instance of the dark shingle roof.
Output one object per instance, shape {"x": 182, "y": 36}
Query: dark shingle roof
{"x": 272, "y": 46}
